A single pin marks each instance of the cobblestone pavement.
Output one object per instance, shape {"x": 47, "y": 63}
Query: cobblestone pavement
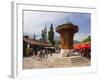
{"x": 31, "y": 63}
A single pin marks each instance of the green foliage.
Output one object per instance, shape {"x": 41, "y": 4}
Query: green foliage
{"x": 57, "y": 43}
{"x": 88, "y": 39}
{"x": 34, "y": 37}
{"x": 51, "y": 28}
{"x": 44, "y": 34}
{"x": 51, "y": 35}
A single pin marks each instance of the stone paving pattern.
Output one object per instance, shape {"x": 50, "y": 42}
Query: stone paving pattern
{"x": 52, "y": 62}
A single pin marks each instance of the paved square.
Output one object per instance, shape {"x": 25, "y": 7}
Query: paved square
{"x": 31, "y": 63}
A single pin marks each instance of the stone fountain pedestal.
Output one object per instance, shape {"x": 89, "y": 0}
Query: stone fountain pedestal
{"x": 66, "y": 52}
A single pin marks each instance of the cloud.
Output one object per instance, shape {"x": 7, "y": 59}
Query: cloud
{"x": 35, "y": 21}
{"x": 81, "y": 36}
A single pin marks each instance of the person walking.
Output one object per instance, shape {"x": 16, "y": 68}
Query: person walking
{"x": 38, "y": 53}
{"x": 43, "y": 53}
{"x": 51, "y": 51}
{"x": 46, "y": 53}
{"x": 33, "y": 54}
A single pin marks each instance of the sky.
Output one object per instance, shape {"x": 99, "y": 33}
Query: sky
{"x": 35, "y": 21}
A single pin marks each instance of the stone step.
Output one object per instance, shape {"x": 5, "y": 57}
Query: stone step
{"x": 61, "y": 63}
{"x": 77, "y": 60}
{"x": 65, "y": 61}
{"x": 73, "y": 60}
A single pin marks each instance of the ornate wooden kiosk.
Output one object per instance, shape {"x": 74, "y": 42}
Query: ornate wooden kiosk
{"x": 67, "y": 34}
{"x": 67, "y": 57}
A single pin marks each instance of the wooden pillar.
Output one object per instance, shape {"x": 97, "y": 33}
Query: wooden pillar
{"x": 67, "y": 40}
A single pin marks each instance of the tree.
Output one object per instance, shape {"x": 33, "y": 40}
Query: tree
{"x": 88, "y": 39}
{"x": 57, "y": 43}
{"x": 42, "y": 34}
{"x": 45, "y": 34}
{"x": 51, "y": 35}
{"x": 34, "y": 37}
